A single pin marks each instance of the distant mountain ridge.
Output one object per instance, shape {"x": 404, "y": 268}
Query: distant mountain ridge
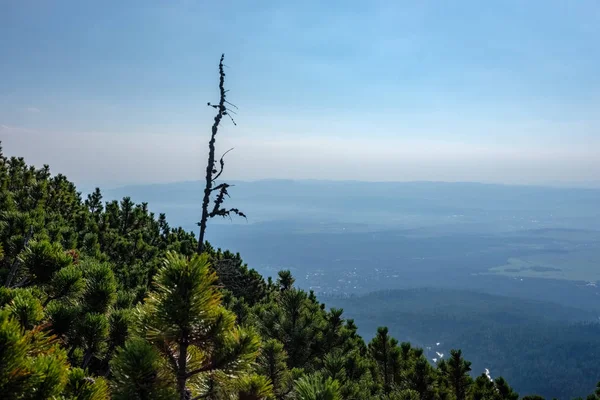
{"x": 405, "y": 204}
{"x": 593, "y": 185}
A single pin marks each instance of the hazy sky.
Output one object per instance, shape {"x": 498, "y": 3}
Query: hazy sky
{"x": 115, "y": 92}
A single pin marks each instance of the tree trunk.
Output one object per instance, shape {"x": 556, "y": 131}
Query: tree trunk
{"x": 182, "y": 370}
{"x": 87, "y": 357}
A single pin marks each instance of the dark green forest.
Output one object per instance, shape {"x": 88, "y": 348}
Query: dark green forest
{"x": 539, "y": 347}
{"x": 106, "y": 300}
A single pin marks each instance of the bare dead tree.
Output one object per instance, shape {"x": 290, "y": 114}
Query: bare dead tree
{"x": 212, "y": 171}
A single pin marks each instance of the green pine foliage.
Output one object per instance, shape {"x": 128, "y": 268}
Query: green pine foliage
{"x": 139, "y": 372}
{"x": 316, "y": 387}
{"x": 104, "y": 300}
{"x": 32, "y": 364}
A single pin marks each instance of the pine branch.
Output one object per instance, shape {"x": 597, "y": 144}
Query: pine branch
{"x": 14, "y": 267}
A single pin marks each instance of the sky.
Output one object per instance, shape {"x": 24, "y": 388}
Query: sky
{"x": 115, "y": 92}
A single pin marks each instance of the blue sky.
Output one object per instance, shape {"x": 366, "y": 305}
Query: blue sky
{"x": 504, "y": 91}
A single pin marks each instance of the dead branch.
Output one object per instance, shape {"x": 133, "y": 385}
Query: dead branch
{"x": 212, "y": 174}
{"x": 222, "y": 163}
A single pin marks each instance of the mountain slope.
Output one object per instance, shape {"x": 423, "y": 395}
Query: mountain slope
{"x": 539, "y": 347}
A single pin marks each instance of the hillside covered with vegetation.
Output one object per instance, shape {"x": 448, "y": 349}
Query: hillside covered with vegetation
{"x": 539, "y": 347}
{"x": 106, "y": 300}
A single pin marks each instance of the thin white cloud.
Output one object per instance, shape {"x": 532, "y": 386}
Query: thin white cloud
{"x": 15, "y": 130}
{"x": 29, "y": 109}
{"x": 110, "y": 159}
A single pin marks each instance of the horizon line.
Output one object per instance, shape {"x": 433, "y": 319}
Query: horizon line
{"x": 593, "y": 185}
